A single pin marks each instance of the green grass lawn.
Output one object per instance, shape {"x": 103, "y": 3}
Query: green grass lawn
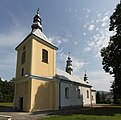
{"x": 6, "y": 104}
{"x": 97, "y": 113}
{"x": 84, "y": 117}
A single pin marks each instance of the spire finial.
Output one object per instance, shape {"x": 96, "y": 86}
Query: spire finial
{"x": 69, "y": 54}
{"x": 85, "y": 72}
{"x": 38, "y": 11}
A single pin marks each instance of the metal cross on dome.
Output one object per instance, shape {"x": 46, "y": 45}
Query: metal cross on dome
{"x": 69, "y": 54}
{"x": 38, "y": 11}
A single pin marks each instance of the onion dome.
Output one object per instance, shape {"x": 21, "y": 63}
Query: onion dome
{"x": 85, "y": 77}
{"x": 37, "y": 21}
{"x": 69, "y": 67}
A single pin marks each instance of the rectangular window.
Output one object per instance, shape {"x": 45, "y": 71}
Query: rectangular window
{"x": 44, "y": 56}
{"x": 22, "y": 72}
{"x": 23, "y": 57}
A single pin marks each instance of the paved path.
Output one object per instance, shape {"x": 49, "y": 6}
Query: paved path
{"x": 23, "y": 115}
{"x": 20, "y": 115}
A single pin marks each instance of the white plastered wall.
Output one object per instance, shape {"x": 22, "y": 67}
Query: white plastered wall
{"x": 74, "y": 99}
{"x": 93, "y": 97}
{"x": 86, "y": 100}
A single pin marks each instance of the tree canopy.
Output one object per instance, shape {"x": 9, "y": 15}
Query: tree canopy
{"x": 6, "y": 90}
{"x": 111, "y": 55}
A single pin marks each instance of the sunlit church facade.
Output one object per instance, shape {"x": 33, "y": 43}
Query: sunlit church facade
{"x": 39, "y": 85}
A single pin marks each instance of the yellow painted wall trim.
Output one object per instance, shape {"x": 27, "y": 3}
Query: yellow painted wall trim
{"x": 22, "y": 79}
{"x": 41, "y": 77}
{"x": 27, "y": 77}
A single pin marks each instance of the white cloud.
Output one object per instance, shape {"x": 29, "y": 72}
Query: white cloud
{"x": 91, "y": 27}
{"x": 87, "y": 16}
{"x": 104, "y": 24}
{"x": 13, "y": 36}
{"x": 85, "y": 26}
{"x": 9, "y": 40}
{"x": 97, "y": 29}
{"x": 105, "y": 18}
{"x": 91, "y": 44}
{"x": 88, "y": 10}
{"x": 68, "y": 10}
{"x": 71, "y": 10}
{"x": 84, "y": 34}
{"x": 87, "y": 49}
{"x": 75, "y": 43}
{"x": 92, "y": 21}
{"x": 77, "y": 64}
{"x": 68, "y": 34}
{"x": 99, "y": 15}
{"x": 102, "y": 36}
{"x": 100, "y": 80}
{"x": 57, "y": 40}
{"x": 61, "y": 56}
{"x": 8, "y": 62}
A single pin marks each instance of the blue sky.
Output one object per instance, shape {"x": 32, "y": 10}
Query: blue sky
{"x": 76, "y": 26}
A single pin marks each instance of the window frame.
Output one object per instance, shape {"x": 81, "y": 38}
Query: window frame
{"x": 92, "y": 98}
{"x": 87, "y": 93}
{"x": 22, "y": 72}
{"x": 44, "y": 56}
{"x": 67, "y": 92}
{"x": 23, "y": 58}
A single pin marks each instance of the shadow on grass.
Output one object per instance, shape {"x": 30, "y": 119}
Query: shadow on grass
{"x": 100, "y": 111}
{"x": 6, "y": 109}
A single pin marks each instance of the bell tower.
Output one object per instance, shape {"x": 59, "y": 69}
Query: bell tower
{"x": 37, "y": 52}
{"x": 35, "y": 71}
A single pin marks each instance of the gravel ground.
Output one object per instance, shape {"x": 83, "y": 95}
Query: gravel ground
{"x": 23, "y": 115}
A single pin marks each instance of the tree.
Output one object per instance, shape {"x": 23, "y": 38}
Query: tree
{"x": 111, "y": 55}
{"x": 103, "y": 97}
{"x": 6, "y": 90}
{"x": 98, "y": 100}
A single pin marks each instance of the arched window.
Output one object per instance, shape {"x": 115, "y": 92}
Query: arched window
{"x": 92, "y": 97}
{"x": 78, "y": 93}
{"x": 66, "y": 92}
{"x": 22, "y": 72}
{"x": 87, "y": 93}
{"x": 44, "y": 56}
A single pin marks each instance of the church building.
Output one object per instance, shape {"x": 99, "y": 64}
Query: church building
{"x": 39, "y": 85}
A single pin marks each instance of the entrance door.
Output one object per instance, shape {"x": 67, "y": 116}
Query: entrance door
{"x": 21, "y": 103}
